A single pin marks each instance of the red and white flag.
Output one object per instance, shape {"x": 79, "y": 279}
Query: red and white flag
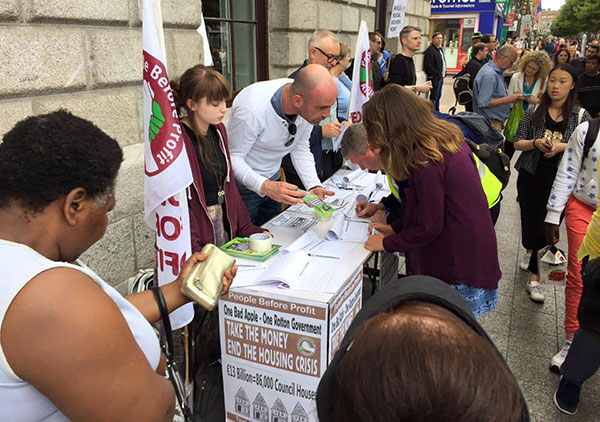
{"x": 362, "y": 77}
{"x": 167, "y": 168}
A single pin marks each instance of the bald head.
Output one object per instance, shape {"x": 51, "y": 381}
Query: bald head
{"x": 314, "y": 91}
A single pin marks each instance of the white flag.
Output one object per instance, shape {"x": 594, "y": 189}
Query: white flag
{"x": 397, "y": 18}
{"x": 206, "y": 53}
{"x": 362, "y": 77}
{"x": 167, "y": 168}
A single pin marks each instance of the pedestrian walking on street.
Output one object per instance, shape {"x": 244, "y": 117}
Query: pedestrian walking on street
{"x": 574, "y": 192}
{"x": 562, "y": 56}
{"x": 588, "y": 86}
{"x": 530, "y": 80}
{"x": 583, "y": 356}
{"x": 491, "y": 98}
{"x": 542, "y": 135}
{"x": 435, "y": 68}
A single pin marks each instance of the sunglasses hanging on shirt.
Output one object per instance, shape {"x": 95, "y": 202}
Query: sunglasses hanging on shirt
{"x": 291, "y": 132}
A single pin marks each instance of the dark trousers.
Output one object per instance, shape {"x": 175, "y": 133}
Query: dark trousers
{"x": 583, "y": 359}
{"x": 261, "y": 208}
{"x": 533, "y": 191}
{"x": 436, "y": 93}
{"x": 509, "y": 149}
{"x": 332, "y": 162}
{"x": 495, "y": 212}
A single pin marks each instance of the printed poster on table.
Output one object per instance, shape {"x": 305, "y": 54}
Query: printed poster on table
{"x": 166, "y": 166}
{"x": 274, "y": 352}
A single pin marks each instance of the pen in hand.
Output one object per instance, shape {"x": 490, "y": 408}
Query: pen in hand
{"x": 382, "y": 218}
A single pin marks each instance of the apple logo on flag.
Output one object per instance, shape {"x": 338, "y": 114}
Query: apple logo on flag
{"x": 161, "y": 123}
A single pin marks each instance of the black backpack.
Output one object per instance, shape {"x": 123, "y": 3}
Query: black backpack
{"x": 591, "y": 135}
{"x": 462, "y": 91}
{"x": 495, "y": 160}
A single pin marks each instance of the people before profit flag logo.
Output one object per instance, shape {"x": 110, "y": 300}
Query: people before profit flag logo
{"x": 366, "y": 83}
{"x": 164, "y": 130}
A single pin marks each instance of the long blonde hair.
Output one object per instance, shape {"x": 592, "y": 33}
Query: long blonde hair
{"x": 402, "y": 125}
{"x": 540, "y": 58}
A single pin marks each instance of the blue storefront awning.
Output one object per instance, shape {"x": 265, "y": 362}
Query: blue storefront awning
{"x": 462, "y": 6}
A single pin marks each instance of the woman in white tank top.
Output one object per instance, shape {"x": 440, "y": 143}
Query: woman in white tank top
{"x": 71, "y": 347}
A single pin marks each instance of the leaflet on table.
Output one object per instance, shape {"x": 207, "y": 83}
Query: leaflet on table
{"x": 371, "y": 194}
{"x": 295, "y": 270}
{"x": 292, "y": 221}
{"x": 347, "y": 230}
{"x": 354, "y": 175}
{"x": 350, "y": 212}
{"x": 337, "y": 141}
{"x": 314, "y": 246}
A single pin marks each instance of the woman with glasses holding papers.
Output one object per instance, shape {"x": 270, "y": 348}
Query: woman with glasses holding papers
{"x": 446, "y": 231}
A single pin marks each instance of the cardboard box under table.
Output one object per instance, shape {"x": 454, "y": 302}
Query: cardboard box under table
{"x": 276, "y": 343}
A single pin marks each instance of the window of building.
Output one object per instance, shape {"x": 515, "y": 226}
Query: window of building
{"x": 237, "y": 34}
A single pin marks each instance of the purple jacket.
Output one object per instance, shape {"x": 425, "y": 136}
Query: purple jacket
{"x": 235, "y": 210}
{"x": 447, "y": 230}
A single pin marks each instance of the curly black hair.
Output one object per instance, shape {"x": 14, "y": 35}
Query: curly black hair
{"x": 44, "y": 157}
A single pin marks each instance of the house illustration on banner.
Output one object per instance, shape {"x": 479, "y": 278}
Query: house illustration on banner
{"x": 299, "y": 414}
{"x": 278, "y": 412}
{"x": 242, "y": 403}
{"x": 260, "y": 409}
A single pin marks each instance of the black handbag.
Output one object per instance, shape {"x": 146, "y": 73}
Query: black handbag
{"x": 167, "y": 348}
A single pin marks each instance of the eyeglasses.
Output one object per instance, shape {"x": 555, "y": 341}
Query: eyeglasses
{"x": 331, "y": 59}
{"x": 292, "y": 132}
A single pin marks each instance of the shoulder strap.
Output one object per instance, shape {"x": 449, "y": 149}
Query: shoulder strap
{"x": 581, "y": 111}
{"x": 591, "y": 135}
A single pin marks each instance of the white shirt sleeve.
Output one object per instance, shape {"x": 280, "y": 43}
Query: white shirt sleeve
{"x": 513, "y": 84}
{"x": 566, "y": 176}
{"x": 304, "y": 163}
{"x": 244, "y": 129}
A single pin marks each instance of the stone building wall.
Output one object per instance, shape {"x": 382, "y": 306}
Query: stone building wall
{"x": 85, "y": 56}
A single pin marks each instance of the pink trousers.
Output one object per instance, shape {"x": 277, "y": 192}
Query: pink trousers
{"x": 577, "y": 217}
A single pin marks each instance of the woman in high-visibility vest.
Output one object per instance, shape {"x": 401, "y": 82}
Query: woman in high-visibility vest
{"x": 446, "y": 231}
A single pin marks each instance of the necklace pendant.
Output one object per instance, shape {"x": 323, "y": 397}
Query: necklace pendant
{"x": 221, "y": 197}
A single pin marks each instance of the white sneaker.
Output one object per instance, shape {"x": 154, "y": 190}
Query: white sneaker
{"x": 525, "y": 263}
{"x": 536, "y": 293}
{"x": 559, "y": 358}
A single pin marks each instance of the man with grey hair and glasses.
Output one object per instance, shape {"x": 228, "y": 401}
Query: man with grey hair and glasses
{"x": 491, "y": 98}
{"x": 323, "y": 50}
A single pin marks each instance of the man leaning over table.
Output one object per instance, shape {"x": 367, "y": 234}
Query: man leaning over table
{"x": 269, "y": 120}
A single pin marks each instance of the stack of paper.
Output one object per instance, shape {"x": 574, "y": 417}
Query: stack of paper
{"x": 347, "y": 230}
